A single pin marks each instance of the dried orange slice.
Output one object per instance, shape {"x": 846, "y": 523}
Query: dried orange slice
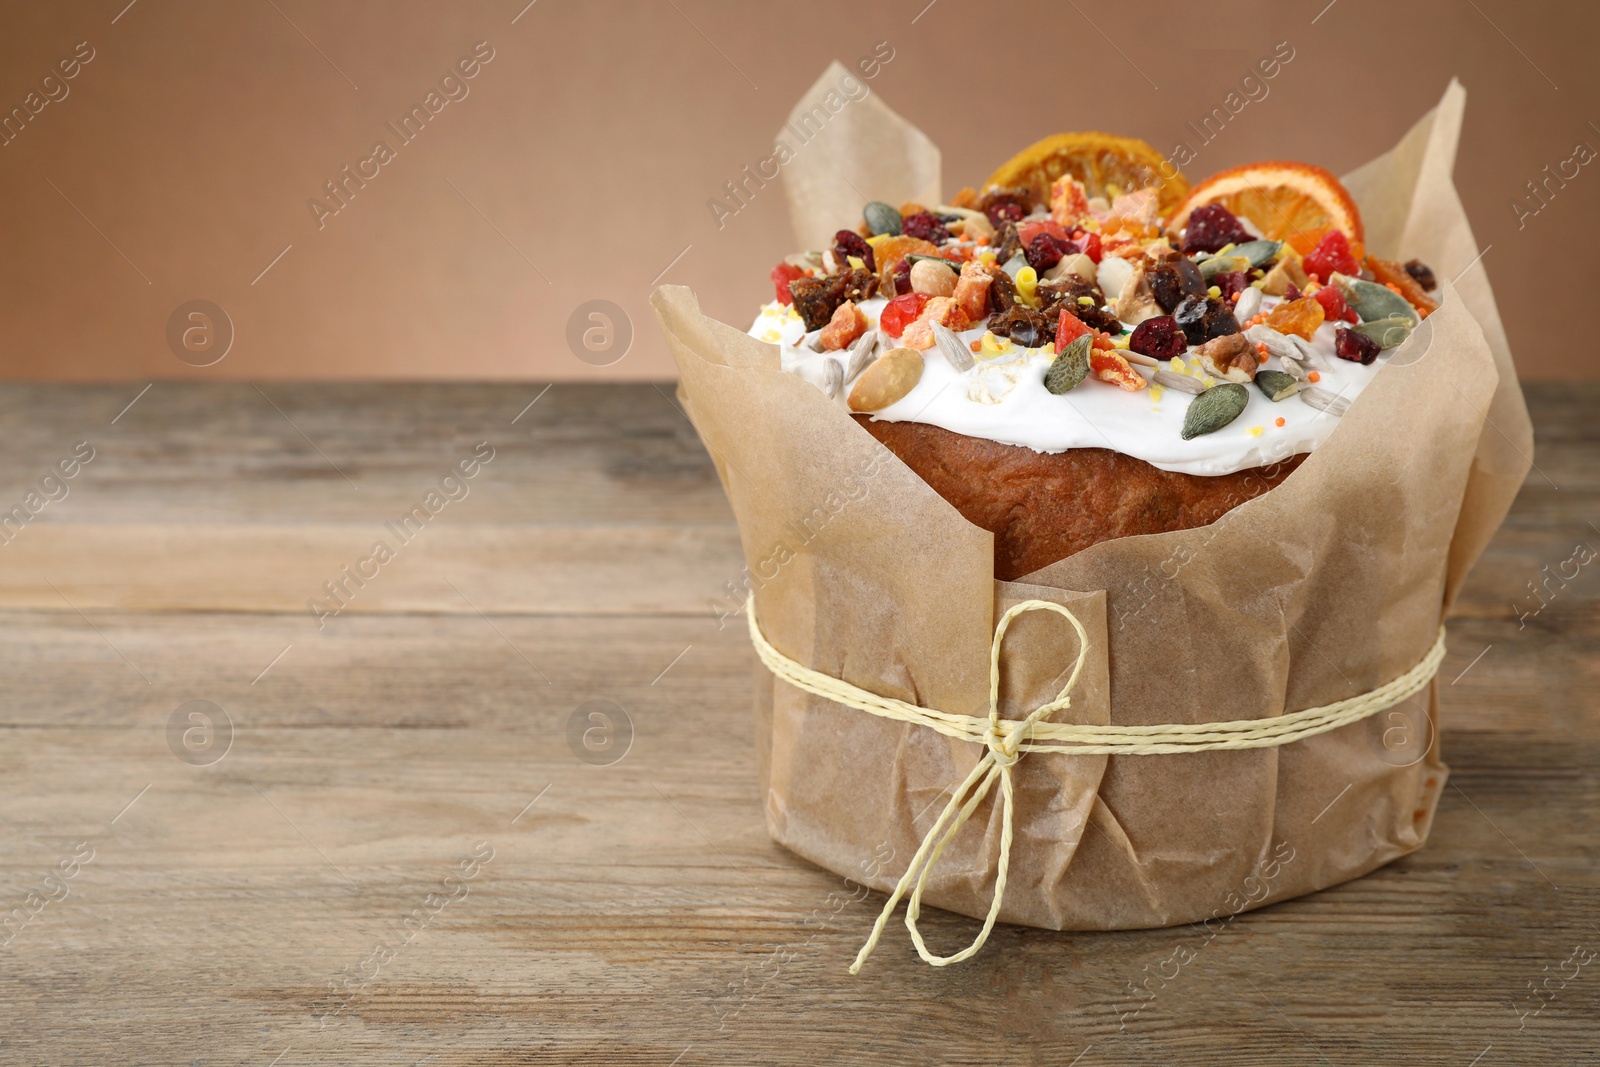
{"x": 1293, "y": 202}
{"x": 1107, "y": 165}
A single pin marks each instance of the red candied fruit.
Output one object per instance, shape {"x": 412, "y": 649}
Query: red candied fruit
{"x": 1090, "y": 244}
{"x": 1356, "y": 347}
{"x": 1334, "y": 306}
{"x": 901, "y": 312}
{"x": 1231, "y": 283}
{"x": 925, "y": 226}
{"x": 850, "y": 243}
{"x": 781, "y": 276}
{"x": 1210, "y": 227}
{"x": 1331, "y": 254}
{"x": 1069, "y": 329}
{"x": 1158, "y": 337}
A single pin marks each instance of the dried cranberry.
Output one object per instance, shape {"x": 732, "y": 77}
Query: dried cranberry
{"x": 1356, "y": 347}
{"x": 850, "y": 243}
{"x": 901, "y": 277}
{"x": 1045, "y": 251}
{"x": 1291, "y": 293}
{"x": 1422, "y": 273}
{"x": 1202, "y": 318}
{"x": 1158, "y": 337}
{"x": 781, "y": 276}
{"x": 1331, "y": 255}
{"x": 1334, "y": 306}
{"x": 1231, "y": 282}
{"x": 925, "y": 227}
{"x": 1210, "y": 227}
{"x": 1173, "y": 279}
{"x": 1000, "y": 214}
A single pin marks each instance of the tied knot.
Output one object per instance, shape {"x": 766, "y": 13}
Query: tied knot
{"x": 1002, "y": 749}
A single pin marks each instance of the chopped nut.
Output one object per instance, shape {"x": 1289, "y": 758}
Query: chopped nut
{"x": 1230, "y": 356}
{"x": 1136, "y": 302}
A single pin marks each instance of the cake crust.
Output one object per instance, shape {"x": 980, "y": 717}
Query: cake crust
{"x": 1043, "y": 507}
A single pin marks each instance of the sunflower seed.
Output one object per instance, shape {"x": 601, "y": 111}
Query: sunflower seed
{"x": 952, "y": 349}
{"x": 1249, "y": 303}
{"x": 1277, "y": 344}
{"x": 1323, "y": 400}
{"x": 832, "y": 377}
{"x": 861, "y": 353}
{"x": 1214, "y": 409}
{"x": 1181, "y": 382}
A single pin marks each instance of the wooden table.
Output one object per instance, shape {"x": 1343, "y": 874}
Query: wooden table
{"x": 391, "y": 852}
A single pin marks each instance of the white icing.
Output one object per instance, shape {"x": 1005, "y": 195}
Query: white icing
{"x": 1003, "y": 398}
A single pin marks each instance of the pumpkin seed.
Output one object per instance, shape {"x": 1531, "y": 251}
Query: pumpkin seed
{"x": 1214, "y": 409}
{"x": 1182, "y": 382}
{"x": 957, "y": 354}
{"x": 882, "y": 218}
{"x": 1389, "y": 332}
{"x": 1372, "y": 301}
{"x": 1070, "y": 367}
{"x": 1259, "y": 253}
{"x": 1276, "y": 384}
{"x": 1210, "y": 268}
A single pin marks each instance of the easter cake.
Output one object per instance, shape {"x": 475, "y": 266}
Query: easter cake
{"x": 1087, "y": 348}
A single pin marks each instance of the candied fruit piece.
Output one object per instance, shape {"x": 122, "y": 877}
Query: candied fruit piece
{"x": 1387, "y": 272}
{"x": 849, "y": 243}
{"x": 1210, "y": 227}
{"x": 972, "y": 289}
{"x": 1111, "y": 367}
{"x": 1202, "y": 318}
{"x": 891, "y": 251}
{"x": 782, "y": 275}
{"x": 1334, "y": 306}
{"x": 1158, "y": 337}
{"x": 847, "y": 324}
{"x": 1090, "y": 243}
{"x": 1300, "y": 317}
{"x": 1069, "y": 200}
{"x": 1331, "y": 254}
{"x": 901, "y": 311}
{"x": 1068, "y": 329}
{"x": 1356, "y": 347}
{"x": 926, "y": 227}
{"x": 1422, "y": 273}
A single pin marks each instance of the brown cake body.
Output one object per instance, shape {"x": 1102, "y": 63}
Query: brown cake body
{"x": 1044, "y": 507}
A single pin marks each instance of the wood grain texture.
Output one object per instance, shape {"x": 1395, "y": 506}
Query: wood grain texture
{"x": 636, "y": 913}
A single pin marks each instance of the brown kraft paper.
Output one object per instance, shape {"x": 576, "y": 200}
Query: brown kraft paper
{"x": 1323, "y": 588}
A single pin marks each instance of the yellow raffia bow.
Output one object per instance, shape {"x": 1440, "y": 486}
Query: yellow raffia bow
{"x": 1007, "y": 739}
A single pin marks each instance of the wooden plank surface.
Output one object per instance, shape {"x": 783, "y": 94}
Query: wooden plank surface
{"x": 635, "y": 912}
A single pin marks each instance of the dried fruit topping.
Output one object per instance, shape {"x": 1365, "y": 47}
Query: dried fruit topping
{"x": 1158, "y": 337}
{"x": 926, "y": 227}
{"x": 1045, "y": 251}
{"x": 1285, "y": 273}
{"x": 1111, "y": 367}
{"x": 1007, "y": 244}
{"x": 1334, "y": 306}
{"x": 844, "y": 327}
{"x": 932, "y": 276}
{"x": 1068, "y": 329}
{"x": 1210, "y": 227}
{"x": 1389, "y": 273}
{"x": 848, "y": 243}
{"x": 972, "y": 289}
{"x": 1005, "y": 204}
{"x": 1025, "y": 326}
{"x": 1331, "y": 255}
{"x": 1214, "y": 409}
{"x": 1069, "y": 200}
{"x": 1291, "y": 293}
{"x": 1002, "y": 293}
{"x": 1090, "y": 243}
{"x": 781, "y": 276}
{"x": 1422, "y": 273}
{"x": 1173, "y": 279}
{"x": 899, "y": 279}
{"x": 1202, "y": 318}
{"x": 882, "y": 218}
{"x": 1136, "y": 303}
{"x": 901, "y": 312}
{"x": 1232, "y": 357}
{"x": 891, "y": 250}
{"x": 1300, "y": 317}
{"x": 940, "y": 311}
{"x": 1356, "y": 347}
{"x": 887, "y": 379}
{"x": 1231, "y": 283}
{"x": 1070, "y": 367}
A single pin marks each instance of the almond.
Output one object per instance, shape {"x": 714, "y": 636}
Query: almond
{"x": 887, "y": 379}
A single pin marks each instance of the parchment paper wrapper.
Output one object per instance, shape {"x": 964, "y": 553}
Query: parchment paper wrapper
{"x": 1323, "y": 588}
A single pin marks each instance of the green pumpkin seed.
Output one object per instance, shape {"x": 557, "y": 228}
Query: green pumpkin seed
{"x": 1214, "y": 409}
{"x": 1070, "y": 367}
{"x": 1216, "y": 265}
{"x": 1259, "y": 253}
{"x": 1276, "y": 384}
{"x": 1372, "y": 301}
{"x": 1390, "y": 332}
{"x": 882, "y": 218}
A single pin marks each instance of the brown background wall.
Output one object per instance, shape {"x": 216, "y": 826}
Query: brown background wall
{"x": 579, "y": 165}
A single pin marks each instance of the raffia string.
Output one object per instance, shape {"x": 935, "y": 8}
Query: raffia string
{"x": 1007, "y": 739}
